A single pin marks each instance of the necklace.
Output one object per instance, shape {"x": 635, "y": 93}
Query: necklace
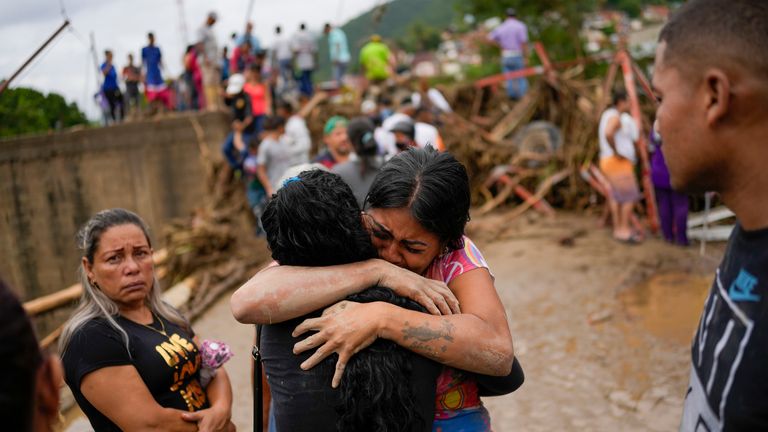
{"x": 162, "y": 325}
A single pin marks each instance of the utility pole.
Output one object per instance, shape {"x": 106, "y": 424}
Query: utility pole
{"x": 248, "y": 13}
{"x": 183, "y": 23}
{"x": 7, "y": 82}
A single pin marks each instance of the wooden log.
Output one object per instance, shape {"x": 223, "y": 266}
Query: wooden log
{"x": 504, "y": 193}
{"x": 52, "y": 301}
{"x": 539, "y": 205}
{"x": 522, "y": 111}
{"x": 541, "y": 191}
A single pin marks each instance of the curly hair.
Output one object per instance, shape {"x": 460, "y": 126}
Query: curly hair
{"x": 314, "y": 220}
{"x": 433, "y": 185}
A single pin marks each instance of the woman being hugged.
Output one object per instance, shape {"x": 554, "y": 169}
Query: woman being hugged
{"x": 416, "y": 211}
{"x": 132, "y": 361}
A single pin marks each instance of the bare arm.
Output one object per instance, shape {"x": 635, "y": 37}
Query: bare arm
{"x": 280, "y": 293}
{"x": 613, "y": 126}
{"x": 133, "y": 397}
{"x": 261, "y": 173}
{"x": 477, "y": 340}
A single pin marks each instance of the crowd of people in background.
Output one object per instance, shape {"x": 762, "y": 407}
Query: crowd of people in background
{"x": 143, "y": 86}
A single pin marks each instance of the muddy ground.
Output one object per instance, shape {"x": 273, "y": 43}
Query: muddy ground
{"x": 602, "y": 329}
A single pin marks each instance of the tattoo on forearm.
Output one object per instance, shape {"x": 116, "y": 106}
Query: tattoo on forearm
{"x": 424, "y": 333}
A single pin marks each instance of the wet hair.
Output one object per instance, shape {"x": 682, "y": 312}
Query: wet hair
{"x": 718, "y": 33}
{"x": 619, "y": 96}
{"x": 314, "y": 220}
{"x": 94, "y": 303}
{"x": 20, "y": 358}
{"x": 433, "y": 186}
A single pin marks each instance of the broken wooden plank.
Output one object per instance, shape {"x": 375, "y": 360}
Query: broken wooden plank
{"x": 541, "y": 191}
{"x": 715, "y": 233}
{"x": 521, "y": 112}
{"x": 715, "y": 215}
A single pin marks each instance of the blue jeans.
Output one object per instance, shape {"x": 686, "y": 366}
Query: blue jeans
{"x": 516, "y": 88}
{"x": 234, "y": 157}
{"x": 339, "y": 69}
{"x": 305, "y": 82}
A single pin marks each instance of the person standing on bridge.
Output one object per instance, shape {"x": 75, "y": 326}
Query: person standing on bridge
{"x": 711, "y": 80}
{"x": 512, "y": 37}
{"x": 209, "y": 53}
{"x": 110, "y": 88}
{"x": 154, "y": 85}
{"x": 339, "y": 52}
{"x": 131, "y": 360}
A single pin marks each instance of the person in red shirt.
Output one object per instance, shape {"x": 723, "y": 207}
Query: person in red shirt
{"x": 258, "y": 92}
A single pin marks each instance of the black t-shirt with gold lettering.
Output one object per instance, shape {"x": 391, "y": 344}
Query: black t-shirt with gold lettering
{"x": 168, "y": 365}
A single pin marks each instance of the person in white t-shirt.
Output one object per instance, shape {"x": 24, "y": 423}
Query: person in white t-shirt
{"x": 283, "y": 56}
{"x": 617, "y": 134}
{"x": 304, "y": 49}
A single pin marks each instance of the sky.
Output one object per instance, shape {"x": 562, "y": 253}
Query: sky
{"x": 67, "y": 66}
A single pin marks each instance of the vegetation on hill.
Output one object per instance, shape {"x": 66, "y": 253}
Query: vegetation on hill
{"x": 25, "y": 110}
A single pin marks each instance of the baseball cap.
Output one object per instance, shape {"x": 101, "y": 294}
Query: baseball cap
{"x": 235, "y": 83}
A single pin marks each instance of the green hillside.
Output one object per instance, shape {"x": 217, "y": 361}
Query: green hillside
{"x": 394, "y": 22}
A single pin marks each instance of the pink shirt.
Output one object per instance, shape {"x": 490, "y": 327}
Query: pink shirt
{"x": 456, "y": 390}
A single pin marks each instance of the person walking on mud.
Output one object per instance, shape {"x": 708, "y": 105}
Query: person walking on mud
{"x": 711, "y": 78}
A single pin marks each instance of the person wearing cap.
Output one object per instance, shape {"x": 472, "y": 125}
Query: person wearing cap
{"x": 29, "y": 389}
{"x": 512, "y": 37}
{"x": 210, "y": 67}
{"x": 359, "y": 172}
{"x": 243, "y": 127}
{"x": 337, "y": 145}
{"x": 377, "y": 60}
{"x": 405, "y": 134}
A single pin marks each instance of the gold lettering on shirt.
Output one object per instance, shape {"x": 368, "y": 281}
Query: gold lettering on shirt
{"x": 175, "y": 347}
{"x": 194, "y": 396}
{"x": 187, "y": 370}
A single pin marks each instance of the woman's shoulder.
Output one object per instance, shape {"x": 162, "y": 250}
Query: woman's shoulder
{"x": 457, "y": 262}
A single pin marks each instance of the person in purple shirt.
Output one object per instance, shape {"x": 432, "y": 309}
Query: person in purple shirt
{"x": 673, "y": 206}
{"x": 512, "y": 37}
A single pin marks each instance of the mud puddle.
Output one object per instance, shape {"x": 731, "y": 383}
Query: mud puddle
{"x": 667, "y": 305}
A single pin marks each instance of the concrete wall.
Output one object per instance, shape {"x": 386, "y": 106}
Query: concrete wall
{"x": 50, "y": 185}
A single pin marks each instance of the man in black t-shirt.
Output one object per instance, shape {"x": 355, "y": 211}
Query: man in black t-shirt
{"x": 711, "y": 77}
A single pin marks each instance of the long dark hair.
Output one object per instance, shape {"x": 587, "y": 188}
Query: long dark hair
{"x": 360, "y": 131}
{"x": 433, "y": 185}
{"x": 314, "y": 220}
{"x": 20, "y": 358}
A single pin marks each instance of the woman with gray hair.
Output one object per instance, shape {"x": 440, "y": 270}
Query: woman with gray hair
{"x": 131, "y": 360}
